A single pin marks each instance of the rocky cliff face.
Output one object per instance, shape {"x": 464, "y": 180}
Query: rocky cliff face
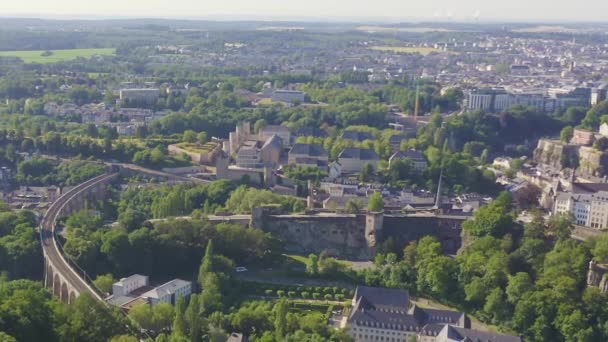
{"x": 549, "y": 152}
{"x": 592, "y": 162}
{"x": 587, "y": 160}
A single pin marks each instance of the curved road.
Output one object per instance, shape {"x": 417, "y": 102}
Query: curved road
{"x": 51, "y": 248}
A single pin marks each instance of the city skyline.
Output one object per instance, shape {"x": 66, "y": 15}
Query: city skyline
{"x": 389, "y": 10}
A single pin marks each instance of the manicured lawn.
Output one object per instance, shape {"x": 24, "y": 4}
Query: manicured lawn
{"x": 304, "y": 260}
{"x": 198, "y": 148}
{"x": 39, "y": 56}
{"x": 404, "y": 49}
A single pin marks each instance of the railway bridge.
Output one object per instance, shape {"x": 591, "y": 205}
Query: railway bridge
{"x": 65, "y": 279}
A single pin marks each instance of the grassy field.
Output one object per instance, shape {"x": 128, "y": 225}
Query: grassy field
{"x": 56, "y": 55}
{"x": 304, "y": 260}
{"x": 403, "y": 49}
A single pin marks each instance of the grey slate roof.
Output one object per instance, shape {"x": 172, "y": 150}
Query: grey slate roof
{"x": 358, "y": 153}
{"x": 274, "y": 141}
{"x": 390, "y": 309}
{"x": 310, "y": 150}
{"x": 357, "y": 136}
{"x": 588, "y": 188}
{"x": 384, "y": 298}
{"x": 468, "y": 335}
{"x": 274, "y": 128}
{"x": 311, "y": 132}
{"x": 411, "y": 154}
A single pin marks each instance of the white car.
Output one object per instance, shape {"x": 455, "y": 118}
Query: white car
{"x": 241, "y": 269}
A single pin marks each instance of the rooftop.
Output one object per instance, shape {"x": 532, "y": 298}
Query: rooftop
{"x": 132, "y": 277}
{"x": 358, "y": 153}
{"x": 310, "y": 150}
{"x": 588, "y": 188}
{"x": 462, "y": 334}
{"x": 167, "y": 288}
{"x": 358, "y": 136}
{"x": 274, "y": 128}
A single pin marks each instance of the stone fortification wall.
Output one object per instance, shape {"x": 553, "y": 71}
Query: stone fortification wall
{"x": 355, "y": 236}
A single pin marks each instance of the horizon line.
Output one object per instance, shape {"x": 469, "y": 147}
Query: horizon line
{"x": 219, "y": 17}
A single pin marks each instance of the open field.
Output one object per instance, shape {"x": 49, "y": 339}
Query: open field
{"x": 39, "y": 56}
{"x": 549, "y": 29}
{"x": 401, "y": 29}
{"x": 403, "y": 49}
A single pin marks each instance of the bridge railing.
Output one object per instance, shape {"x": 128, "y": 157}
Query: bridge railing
{"x": 53, "y": 214}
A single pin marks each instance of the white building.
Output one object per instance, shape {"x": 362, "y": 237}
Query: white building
{"x": 604, "y": 130}
{"x": 127, "y": 285}
{"x": 169, "y": 292}
{"x": 137, "y": 96}
{"x": 587, "y": 202}
{"x": 380, "y": 314}
{"x": 289, "y": 96}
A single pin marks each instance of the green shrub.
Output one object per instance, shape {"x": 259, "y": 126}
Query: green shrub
{"x": 269, "y": 292}
{"x": 281, "y": 293}
{"x": 291, "y": 294}
{"x": 304, "y": 294}
{"x": 328, "y": 297}
{"x": 316, "y": 295}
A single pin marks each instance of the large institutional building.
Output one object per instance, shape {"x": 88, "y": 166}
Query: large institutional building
{"x": 587, "y": 202}
{"x": 499, "y": 99}
{"x": 387, "y": 315}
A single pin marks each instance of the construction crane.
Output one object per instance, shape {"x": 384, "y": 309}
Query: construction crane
{"x": 417, "y": 105}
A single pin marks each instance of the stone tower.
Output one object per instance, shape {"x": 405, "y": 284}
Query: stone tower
{"x": 221, "y": 165}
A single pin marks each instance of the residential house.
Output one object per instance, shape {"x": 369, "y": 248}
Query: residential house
{"x": 282, "y": 131}
{"x": 395, "y": 141}
{"x": 587, "y": 202}
{"x": 358, "y": 136}
{"x": 419, "y": 163}
{"x": 307, "y": 155}
{"x": 311, "y": 132}
{"x": 353, "y": 159}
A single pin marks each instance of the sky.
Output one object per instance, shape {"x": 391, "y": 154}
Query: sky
{"x": 391, "y": 10}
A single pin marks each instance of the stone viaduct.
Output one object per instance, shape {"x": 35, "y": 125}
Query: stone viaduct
{"x": 66, "y": 280}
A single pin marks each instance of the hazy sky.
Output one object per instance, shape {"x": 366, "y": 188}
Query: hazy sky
{"x": 581, "y": 10}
